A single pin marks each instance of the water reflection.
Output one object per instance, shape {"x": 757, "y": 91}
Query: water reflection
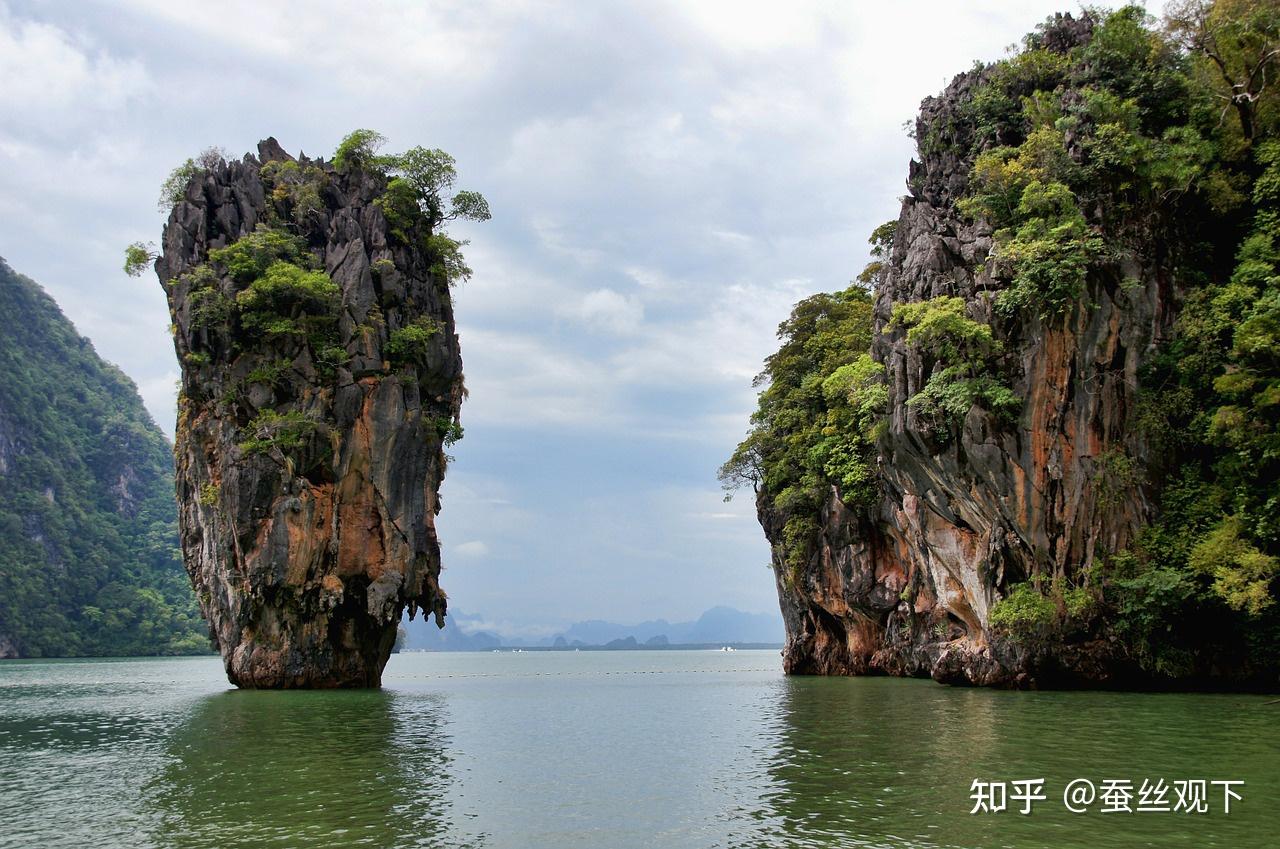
{"x": 347, "y": 768}
{"x": 888, "y": 762}
{"x": 859, "y": 761}
{"x": 600, "y": 749}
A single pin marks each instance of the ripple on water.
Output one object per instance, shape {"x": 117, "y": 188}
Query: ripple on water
{"x": 641, "y": 749}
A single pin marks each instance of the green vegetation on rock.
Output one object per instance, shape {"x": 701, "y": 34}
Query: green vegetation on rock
{"x": 816, "y": 424}
{"x": 418, "y": 201}
{"x": 174, "y": 187}
{"x": 1112, "y": 157}
{"x": 284, "y": 432}
{"x": 410, "y": 344}
{"x": 89, "y": 560}
{"x": 965, "y": 351}
{"x": 1074, "y": 154}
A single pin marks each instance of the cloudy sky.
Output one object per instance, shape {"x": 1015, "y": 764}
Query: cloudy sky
{"x": 666, "y": 178}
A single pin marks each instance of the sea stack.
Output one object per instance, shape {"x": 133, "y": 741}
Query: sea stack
{"x": 321, "y": 381}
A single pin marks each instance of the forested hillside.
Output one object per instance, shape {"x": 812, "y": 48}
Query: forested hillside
{"x": 89, "y": 562}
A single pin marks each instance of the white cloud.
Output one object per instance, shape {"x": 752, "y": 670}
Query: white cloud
{"x": 51, "y": 76}
{"x": 666, "y": 179}
{"x": 524, "y": 380}
{"x": 417, "y": 44}
{"x": 653, "y": 279}
{"x": 560, "y": 238}
{"x": 732, "y": 237}
{"x": 755, "y": 25}
{"x": 723, "y": 343}
{"x": 475, "y": 548}
{"x": 607, "y": 310}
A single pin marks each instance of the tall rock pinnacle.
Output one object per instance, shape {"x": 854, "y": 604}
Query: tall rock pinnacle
{"x": 321, "y": 381}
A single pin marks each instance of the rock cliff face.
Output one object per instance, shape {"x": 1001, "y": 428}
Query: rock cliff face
{"x": 907, "y": 586}
{"x": 321, "y": 376}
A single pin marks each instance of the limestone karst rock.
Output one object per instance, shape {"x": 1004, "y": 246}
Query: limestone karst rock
{"x": 1053, "y": 490}
{"x": 961, "y": 518}
{"x": 321, "y": 380}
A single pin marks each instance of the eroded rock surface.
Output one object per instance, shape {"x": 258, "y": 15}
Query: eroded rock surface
{"x": 906, "y": 588}
{"x": 309, "y": 453}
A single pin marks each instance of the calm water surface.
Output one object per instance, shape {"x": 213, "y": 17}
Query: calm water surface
{"x": 601, "y": 749}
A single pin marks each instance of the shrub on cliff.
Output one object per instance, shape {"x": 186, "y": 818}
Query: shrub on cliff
{"x": 409, "y": 344}
{"x": 1075, "y": 160}
{"x": 417, "y": 202}
{"x": 965, "y": 352}
{"x": 277, "y": 301}
{"x": 358, "y": 149}
{"x": 286, "y": 432}
{"x": 137, "y": 258}
{"x": 1032, "y": 617}
{"x": 174, "y": 187}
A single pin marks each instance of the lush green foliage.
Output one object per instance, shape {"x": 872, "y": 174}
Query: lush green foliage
{"x": 1070, "y": 148}
{"x": 286, "y": 432}
{"x": 358, "y": 150}
{"x": 296, "y": 186}
{"x": 417, "y": 202}
{"x": 1025, "y": 612}
{"x": 1031, "y": 616}
{"x": 283, "y": 294}
{"x": 269, "y": 374}
{"x": 818, "y": 416}
{"x": 138, "y": 258}
{"x": 965, "y": 352}
{"x": 1098, "y": 146}
{"x": 448, "y": 430}
{"x": 88, "y": 548}
{"x": 1213, "y": 396}
{"x": 275, "y": 301}
{"x": 410, "y": 344}
{"x": 1242, "y": 574}
{"x": 174, "y": 187}
{"x": 248, "y": 257}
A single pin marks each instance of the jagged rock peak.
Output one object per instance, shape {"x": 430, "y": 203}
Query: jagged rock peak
{"x": 321, "y": 377}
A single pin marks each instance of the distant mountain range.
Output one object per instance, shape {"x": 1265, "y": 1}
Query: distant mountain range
{"x": 717, "y": 626}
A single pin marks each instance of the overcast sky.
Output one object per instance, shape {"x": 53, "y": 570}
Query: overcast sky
{"x": 666, "y": 178}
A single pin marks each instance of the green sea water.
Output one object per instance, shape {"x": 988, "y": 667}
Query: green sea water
{"x": 604, "y": 749}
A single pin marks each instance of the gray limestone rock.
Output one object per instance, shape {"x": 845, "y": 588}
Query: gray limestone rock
{"x": 306, "y": 537}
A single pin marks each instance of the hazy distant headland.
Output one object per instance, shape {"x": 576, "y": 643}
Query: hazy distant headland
{"x": 718, "y": 626}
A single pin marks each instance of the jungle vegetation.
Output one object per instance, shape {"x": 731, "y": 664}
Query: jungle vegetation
{"x": 89, "y": 561}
